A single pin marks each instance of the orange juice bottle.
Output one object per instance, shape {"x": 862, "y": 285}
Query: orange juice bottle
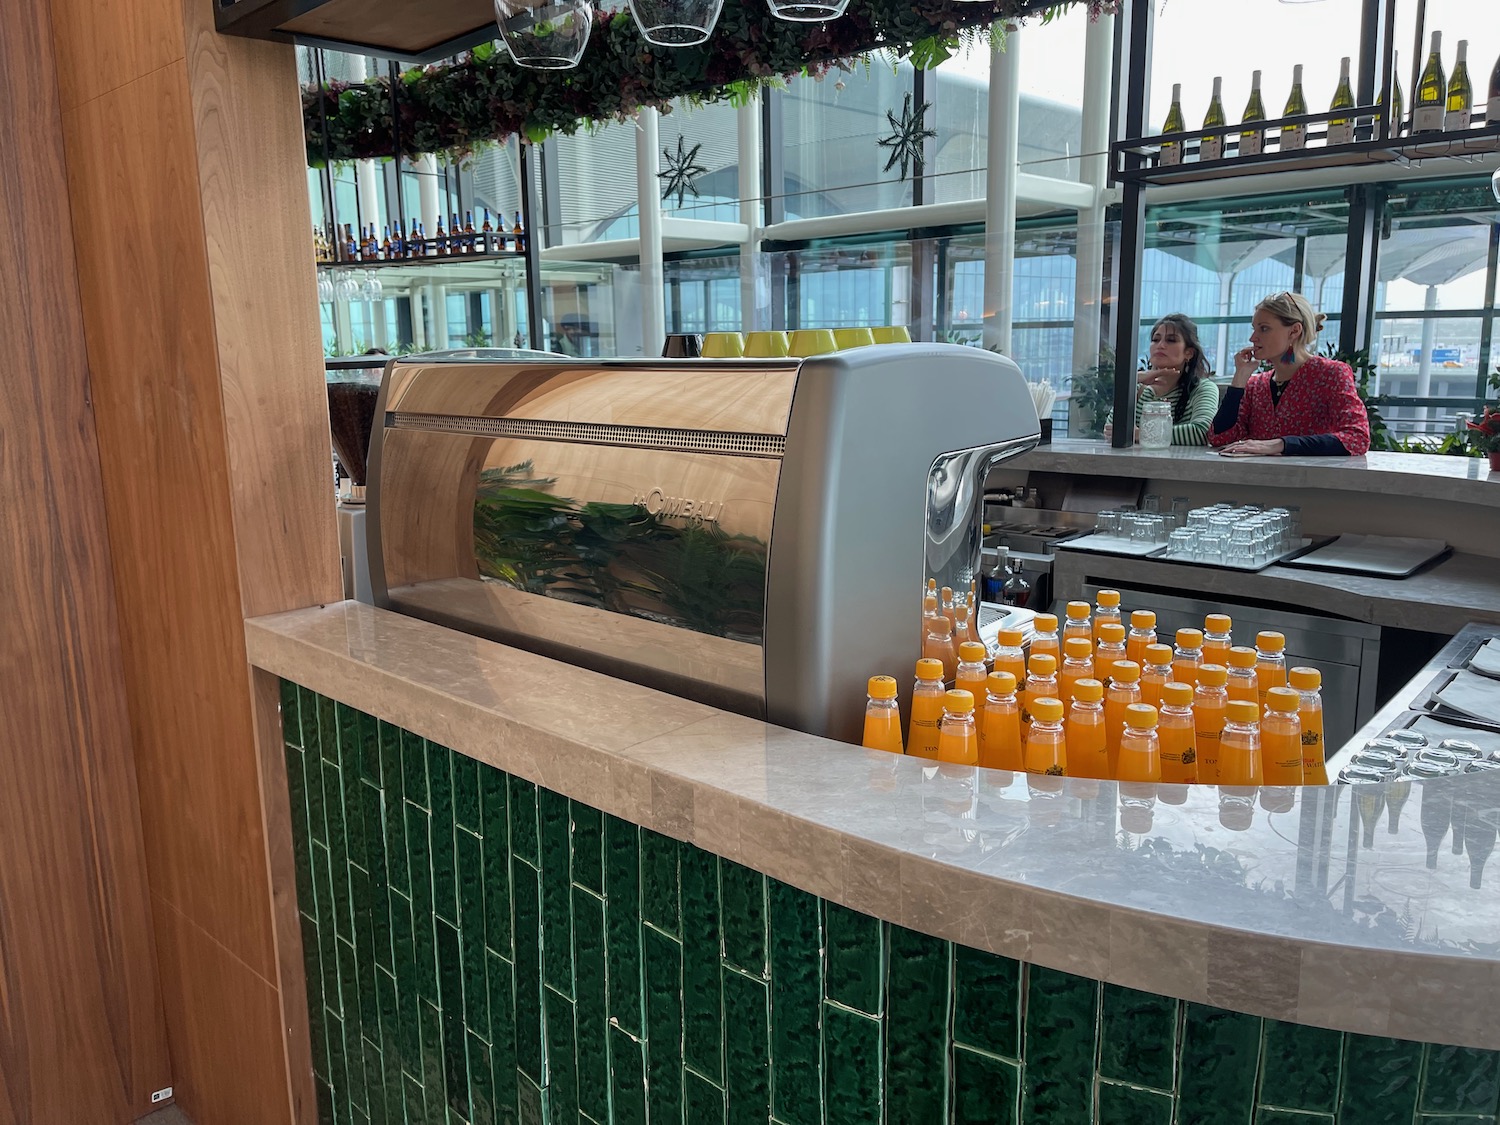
{"x": 1243, "y": 683}
{"x": 883, "y": 716}
{"x": 1209, "y": 703}
{"x": 1044, "y": 636}
{"x": 1140, "y": 748}
{"x": 1187, "y": 657}
{"x": 1156, "y": 672}
{"x": 1106, "y": 611}
{"x": 1174, "y": 725}
{"x": 971, "y": 599}
{"x": 1308, "y": 683}
{"x": 1142, "y": 633}
{"x": 1124, "y": 692}
{"x": 929, "y": 612}
{"x": 1077, "y": 624}
{"x": 1008, "y": 654}
{"x": 1087, "y": 754}
{"x": 938, "y": 645}
{"x": 1281, "y": 738}
{"x": 1046, "y": 746}
{"x": 963, "y": 626}
{"x": 1041, "y": 682}
{"x": 945, "y": 605}
{"x": 971, "y": 672}
{"x": 1239, "y": 748}
{"x": 1270, "y": 662}
{"x": 1217, "y": 638}
{"x": 926, "y": 709}
{"x": 1078, "y": 664}
{"x": 1000, "y": 726}
{"x": 958, "y": 739}
{"x": 1109, "y": 648}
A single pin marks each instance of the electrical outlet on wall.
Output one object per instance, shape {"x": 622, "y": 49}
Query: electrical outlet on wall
{"x": 160, "y": 1096}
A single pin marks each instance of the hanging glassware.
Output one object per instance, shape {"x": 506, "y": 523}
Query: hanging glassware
{"x": 371, "y": 289}
{"x": 545, "y": 36}
{"x": 807, "y": 11}
{"x": 325, "y": 287}
{"x": 676, "y": 23}
{"x": 346, "y": 289}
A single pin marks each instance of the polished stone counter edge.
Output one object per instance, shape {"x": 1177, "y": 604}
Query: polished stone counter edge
{"x": 698, "y": 775}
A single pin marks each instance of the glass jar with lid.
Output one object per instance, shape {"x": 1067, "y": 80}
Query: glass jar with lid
{"x": 1156, "y": 425}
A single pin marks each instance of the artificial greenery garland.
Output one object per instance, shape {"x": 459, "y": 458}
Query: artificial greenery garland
{"x": 484, "y": 97}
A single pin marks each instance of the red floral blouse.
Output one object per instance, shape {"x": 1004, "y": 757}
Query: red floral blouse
{"x": 1319, "y": 402}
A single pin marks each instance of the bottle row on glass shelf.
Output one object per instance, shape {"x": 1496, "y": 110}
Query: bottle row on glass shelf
{"x": 1101, "y": 701}
{"x": 460, "y": 239}
{"x": 1440, "y": 104}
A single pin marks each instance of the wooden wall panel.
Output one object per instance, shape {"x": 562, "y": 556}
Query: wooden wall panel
{"x": 82, "y": 1036}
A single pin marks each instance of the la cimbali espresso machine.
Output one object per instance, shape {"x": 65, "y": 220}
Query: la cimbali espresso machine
{"x": 753, "y": 534}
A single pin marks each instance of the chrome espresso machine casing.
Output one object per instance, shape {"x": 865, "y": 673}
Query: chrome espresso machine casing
{"x": 741, "y": 532}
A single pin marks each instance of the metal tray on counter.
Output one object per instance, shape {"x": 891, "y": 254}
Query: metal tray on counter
{"x": 1469, "y": 691}
{"x": 1125, "y": 548}
{"x": 1379, "y": 556}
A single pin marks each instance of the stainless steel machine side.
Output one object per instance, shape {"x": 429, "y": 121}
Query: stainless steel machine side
{"x": 881, "y": 488}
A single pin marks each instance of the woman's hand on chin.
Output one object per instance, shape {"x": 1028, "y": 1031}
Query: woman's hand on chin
{"x": 1273, "y": 448}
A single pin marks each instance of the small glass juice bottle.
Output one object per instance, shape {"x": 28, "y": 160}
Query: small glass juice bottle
{"x": 971, "y": 672}
{"x": 938, "y": 645}
{"x": 1243, "y": 683}
{"x": 1174, "y": 725}
{"x": 1308, "y": 682}
{"x": 1046, "y": 747}
{"x": 1239, "y": 748}
{"x": 958, "y": 740}
{"x": 1106, "y": 611}
{"x": 1187, "y": 657}
{"x": 1109, "y": 648}
{"x": 1008, "y": 654}
{"x": 1156, "y": 672}
{"x": 1281, "y": 738}
{"x": 1270, "y": 662}
{"x": 1140, "y": 747}
{"x": 1041, "y": 682}
{"x": 1217, "y": 637}
{"x": 1078, "y": 622}
{"x": 972, "y": 601}
{"x": 929, "y": 614}
{"x": 1078, "y": 664}
{"x": 1209, "y": 702}
{"x": 1142, "y": 633}
{"x": 962, "y": 626}
{"x": 1044, "y": 637}
{"x": 1124, "y": 691}
{"x": 1000, "y": 726}
{"x": 883, "y": 716}
{"x": 1087, "y": 754}
{"x": 926, "y": 709}
{"x": 945, "y": 605}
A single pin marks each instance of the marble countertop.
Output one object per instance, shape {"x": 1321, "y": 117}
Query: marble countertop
{"x": 1466, "y": 480}
{"x": 1288, "y": 913}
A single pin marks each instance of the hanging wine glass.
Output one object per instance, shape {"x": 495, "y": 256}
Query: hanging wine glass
{"x": 545, "y": 36}
{"x": 325, "y": 287}
{"x": 347, "y": 289}
{"x": 807, "y": 11}
{"x": 372, "y": 289}
{"x": 676, "y": 23}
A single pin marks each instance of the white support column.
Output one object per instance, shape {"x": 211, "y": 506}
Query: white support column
{"x": 418, "y": 321}
{"x": 427, "y": 191}
{"x": 648, "y": 207}
{"x": 366, "y": 174}
{"x": 1226, "y": 302}
{"x": 747, "y": 121}
{"x": 1429, "y": 341}
{"x": 1000, "y": 187}
{"x": 1093, "y": 170}
{"x": 437, "y": 302}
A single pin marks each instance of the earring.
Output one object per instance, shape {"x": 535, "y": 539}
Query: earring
{"x": 1288, "y": 356}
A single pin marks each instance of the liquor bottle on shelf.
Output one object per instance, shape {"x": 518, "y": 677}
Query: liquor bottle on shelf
{"x": 1341, "y": 129}
{"x": 487, "y": 234}
{"x": 387, "y": 248}
{"x": 398, "y": 243}
{"x": 1294, "y": 137}
{"x": 471, "y": 236}
{"x": 440, "y": 239}
{"x": 1253, "y": 141}
{"x": 1171, "y": 151}
{"x": 372, "y": 245}
{"x": 1212, "y": 148}
{"x": 502, "y": 244}
{"x": 1460, "y": 110}
{"x": 456, "y": 243}
{"x": 518, "y": 235}
{"x": 1492, "y": 111}
{"x": 351, "y": 244}
{"x": 1427, "y": 103}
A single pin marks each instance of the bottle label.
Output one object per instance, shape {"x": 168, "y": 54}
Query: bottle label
{"x": 1341, "y": 133}
{"x": 1251, "y": 144}
{"x": 1427, "y": 119}
{"x": 1293, "y": 137}
{"x": 1457, "y": 119}
{"x": 1212, "y": 148}
{"x": 1171, "y": 155}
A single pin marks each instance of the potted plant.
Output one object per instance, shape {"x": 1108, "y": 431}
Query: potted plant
{"x": 1484, "y": 435}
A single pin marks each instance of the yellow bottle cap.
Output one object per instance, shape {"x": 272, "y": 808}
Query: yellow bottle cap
{"x": 1178, "y": 695}
{"x": 1109, "y": 598}
{"x": 1217, "y": 623}
{"x": 1078, "y": 648}
{"x": 1305, "y": 679}
{"x": 959, "y": 702}
{"x": 1047, "y": 709}
{"x": 947, "y": 593}
{"x": 1042, "y": 664}
{"x": 1241, "y": 657}
{"x": 1282, "y": 699}
{"x": 1126, "y": 671}
{"x": 1213, "y": 675}
{"x": 1242, "y": 711}
{"x": 1270, "y": 642}
{"x": 1045, "y": 623}
{"x": 1157, "y": 654}
{"x": 972, "y": 652}
{"x": 929, "y": 669}
{"x": 932, "y": 585}
{"x": 882, "y": 687}
{"x": 1001, "y": 683}
{"x": 1112, "y": 632}
{"x": 1140, "y": 716}
{"x": 1088, "y": 691}
{"x": 1189, "y": 638}
{"x": 929, "y": 605}
{"x": 940, "y": 625}
{"x": 1142, "y": 619}
{"x": 1078, "y": 611}
{"x": 1010, "y": 638}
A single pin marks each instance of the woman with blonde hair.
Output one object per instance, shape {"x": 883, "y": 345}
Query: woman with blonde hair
{"x": 1301, "y": 404}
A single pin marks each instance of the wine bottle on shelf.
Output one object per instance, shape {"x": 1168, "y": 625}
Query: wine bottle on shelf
{"x": 1427, "y": 104}
{"x": 1294, "y": 137}
{"x": 1492, "y": 111}
{"x": 1341, "y": 129}
{"x": 1212, "y": 148}
{"x": 1253, "y": 141}
{"x": 518, "y": 235}
{"x": 487, "y": 233}
{"x": 1398, "y": 105}
{"x": 1171, "y": 151}
{"x": 1460, "y": 110}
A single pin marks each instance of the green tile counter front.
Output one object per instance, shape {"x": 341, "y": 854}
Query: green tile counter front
{"x": 480, "y": 949}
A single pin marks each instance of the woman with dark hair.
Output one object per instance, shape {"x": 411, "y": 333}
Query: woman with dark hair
{"x": 1178, "y": 374}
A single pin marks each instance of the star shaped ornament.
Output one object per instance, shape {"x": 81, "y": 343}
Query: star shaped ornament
{"x": 907, "y": 137}
{"x": 682, "y": 168}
